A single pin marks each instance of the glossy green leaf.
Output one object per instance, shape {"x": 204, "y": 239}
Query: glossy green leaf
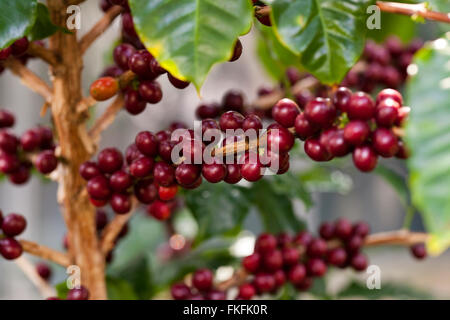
{"x": 119, "y": 289}
{"x": 274, "y": 56}
{"x": 43, "y": 27}
{"x": 16, "y": 19}
{"x": 275, "y": 208}
{"x": 188, "y": 37}
{"x": 138, "y": 275}
{"x": 219, "y": 209}
{"x": 428, "y": 137}
{"x": 329, "y": 34}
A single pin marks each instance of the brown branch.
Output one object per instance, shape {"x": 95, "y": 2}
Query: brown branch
{"x": 85, "y": 104}
{"x": 107, "y": 118}
{"x": 101, "y": 26}
{"x": 29, "y": 270}
{"x": 419, "y": 9}
{"x": 30, "y": 79}
{"x": 42, "y": 53}
{"x": 45, "y": 253}
{"x": 397, "y": 237}
{"x": 113, "y": 229}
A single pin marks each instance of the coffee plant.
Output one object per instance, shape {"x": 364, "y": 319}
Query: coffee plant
{"x": 343, "y": 96}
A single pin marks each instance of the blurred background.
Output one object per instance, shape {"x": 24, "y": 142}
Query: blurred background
{"x": 360, "y": 196}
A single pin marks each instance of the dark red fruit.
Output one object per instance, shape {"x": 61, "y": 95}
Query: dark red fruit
{"x": 321, "y": 112}
{"x": 356, "y": 132}
{"x": 303, "y": 238}
{"x": 202, "y": 279}
{"x": 44, "y": 271}
{"x": 89, "y": 170}
{"x": 141, "y": 167}
{"x": 164, "y": 174}
{"x": 159, "y": 210}
{"x": 231, "y": 120}
{"x": 7, "y": 119}
{"x": 19, "y": 47}
{"x": 180, "y": 291}
{"x": 133, "y": 102}
{"x": 8, "y": 142}
{"x": 252, "y": 122}
{"x": 146, "y": 191}
{"x": 390, "y": 94}
{"x": 264, "y": 282}
{"x": 290, "y": 256}
{"x": 316, "y": 151}
{"x": 387, "y": 113}
{"x": 207, "y": 111}
{"x": 304, "y": 128}
{"x": 13, "y": 224}
{"x": 10, "y": 248}
{"x": 337, "y": 257}
{"x": 285, "y": 112}
{"x": 120, "y": 181}
{"x": 316, "y": 267}
{"x": 265, "y": 243}
{"x": 233, "y": 175}
{"x": 419, "y": 251}
{"x": 30, "y": 140}
{"x": 101, "y": 219}
{"x": 214, "y": 172}
{"x": 5, "y": 53}
{"x": 252, "y": 262}
{"x": 120, "y": 203}
{"x": 150, "y": 91}
{"x": 273, "y": 260}
{"x": 177, "y": 83}
{"x": 139, "y": 62}
{"x": 341, "y": 98}
{"x": 354, "y": 243}
{"x": 251, "y": 167}
{"x": 187, "y": 174}
{"x": 46, "y": 162}
{"x": 343, "y": 229}
{"x": 237, "y": 51}
{"x": 8, "y": 163}
{"x": 361, "y": 107}
{"x": 365, "y": 158}
{"x": 337, "y": 146}
{"x": 246, "y": 291}
{"x": 316, "y": 248}
{"x": 110, "y": 160}
{"x": 233, "y": 100}
{"x": 326, "y": 231}
{"x": 122, "y": 54}
{"x": 167, "y": 193}
{"x": 20, "y": 176}
{"x": 279, "y": 139}
{"x": 156, "y": 67}
{"x": 98, "y": 188}
{"x": 359, "y": 262}
{"x": 80, "y": 293}
{"x": 297, "y": 274}
{"x": 385, "y": 142}
{"x": 361, "y": 229}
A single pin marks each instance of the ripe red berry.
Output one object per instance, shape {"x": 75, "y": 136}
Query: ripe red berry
{"x": 297, "y": 273}
{"x": 9, "y": 163}
{"x": 231, "y": 120}
{"x": 146, "y": 191}
{"x": 180, "y": 291}
{"x": 386, "y": 116}
{"x": 321, "y": 112}
{"x": 304, "y": 128}
{"x": 164, "y": 174}
{"x": 233, "y": 175}
{"x": 316, "y": 248}
{"x": 359, "y": 262}
{"x": 44, "y": 271}
{"x": 80, "y": 293}
{"x": 98, "y": 188}
{"x": 233, "y": 100}
{"x": 354, "y": 243}
{"x": 403, "y": 152}
{"x": 251, "y": 167}
{"x": 46, "y": 162}
{"x": 326, "y": 231}
{"x": 167, "y": 193}
{"x": 208, "y": 111}
{"x": 139, "y": 62}
{"x": 419, "y": 251}
{"x": 361, "y": 106}
{"x": 285, "y": 112}
{"x": 8, "y": 142}
{"x": 187, "y": 174}
{"x": 265, "y": 243}
{"x": 290, "y": 256}
{"x": 237, "y": 51}
{"x": 133, "y": 102}
{"x": 337, "y": 146}
{"x": 316, "y": 151}
{"x": 89, "y": 170}
{"x": 365, "y": 158}
{"x": 246, "y": 291}
{"x": 30, "y": 140}
{"x": 361, "y": 229}
{"x": 343, "y": 228}
{"x": 177, "y": 83}
{"x": 150, "y": 91}
{"x": 390, "y": 94}
{"x": 104, "y": 88}
{"x": 337, "y": 257}
{"x": 10, "y": 248}
{"x": 120, "y": 203}
{"x": 156, "y": 67}
{"x": 20, "y": 176}
{"x": 214, "y": 172}
{"x": 403, "y": 114}
{"x": 356, "y": 132}
{"x": 252, "y": 122}
{"x": 272, "y": 260}
{"x": 385, "y": 142}
{"x": 101, "y": 219}
{"x": 19, "y": 47}
{"x": 316, "y": 267}
{"x": 341, "y": 98}
{"x": 202, "y": 279}
{"x": 122, "y": 54}
{"x": 264, "y": 282}
{"x": 5, "y": 53}
{"x": 141, "y": 167}
{"x": 303, "y": 238}
{"x": 7, "y": 119}
{"x": 279, "y": 139}
{"x": 110, "y": 160}
{"x": 251, "y": 263}
{"x": 13, "y": 224}
{"x": 120, "y": 181}
{"x": 160, "y": 210}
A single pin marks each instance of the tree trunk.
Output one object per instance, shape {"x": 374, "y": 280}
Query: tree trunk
{"x": 79, "y": 214}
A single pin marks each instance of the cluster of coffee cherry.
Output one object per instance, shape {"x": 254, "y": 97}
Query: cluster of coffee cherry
{"x": 18, "y": 50}
{"x": 132, "y": 55}
{"x": 18, "y": 154}
{"x": 349, "y": 123}
{"x": 11, "y": 226}
{"x": 382, "y": 65}
{"x": 278, "y": 259}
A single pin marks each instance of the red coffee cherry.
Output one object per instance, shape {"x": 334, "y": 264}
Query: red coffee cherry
{"x": 285, "y": 112}
{"x": 321, "y": 112}
{"x": 361, "y": 107}
{"x": 202, "y": 279}
{"x": 104, "y": 88}
{"x": 160, "y": 210}
{"x": 365, "y": 158}
{"x": 252, "y": 262}
{"x": 78, "y": 294}
{"x": 13, "y": 224}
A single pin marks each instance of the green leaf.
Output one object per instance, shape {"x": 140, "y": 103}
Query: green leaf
{"x": 219, "y": 209}
{"x": 428, "y": 137}
{"x": 188, "y": 37}
{"x": 397, "y": 181}
{"x": 16, "y": 19}
{"x": 61, "y": 290}
{"x": 292, "y": 186}
{"x": 43, "y": 27}
{"x": 396, "y": 291}
{"x": 273, "y": 55}
{"x": 138, "y": 275}
{"x": 329, "y": 34}
{"x": 319, "y": 178}
{"x": 275, "y": 208}
{"x": 119, "y": 289}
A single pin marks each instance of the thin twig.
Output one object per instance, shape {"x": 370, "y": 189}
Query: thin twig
{"x": 85, "y": 104}
{"x": 30, "y": 79}
{"x": 420, "y": 10}
{"x": 105, "y": 120}
{"x": 29, "y": 270}
{"x": 45, "y": 253}
{"x": 101, "y": 26}
{"x": 43, "y": 53}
